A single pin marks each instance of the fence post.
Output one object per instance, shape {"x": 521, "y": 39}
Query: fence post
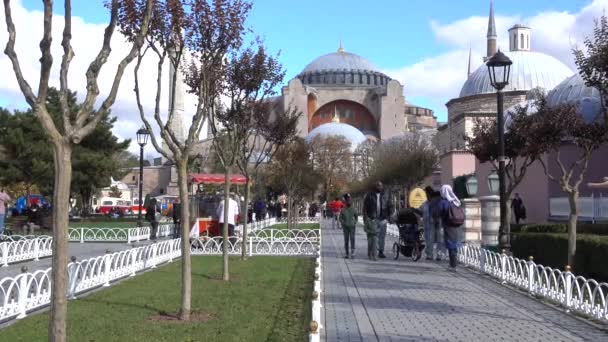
{"x": 250, "y": 245}
{"x": 81, "y": 235}
{"x": 4, "y": 248}
{"x": 106, "y": 260}
{"x": 153, "y": 251}
{"x": 482, "y": 260}
{"x": 568, "y": 287}
{"x": 73, "y": 276}
{"x": 503, "y": 266}
{"x": 23, "y": 291}
{"x": 133, "y": 252}
{"x": 36, "y": 241}
{"x": 530, "y": 275}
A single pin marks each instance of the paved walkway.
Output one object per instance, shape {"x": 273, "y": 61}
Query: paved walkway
{"x": 400, "y": 300}
{"x": 80, "y": 250}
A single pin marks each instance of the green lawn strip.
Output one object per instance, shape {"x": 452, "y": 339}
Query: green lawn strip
{"x": 299, "y": 226}
{"x": 105, "y": 224}
{"x": 268, "y": 299}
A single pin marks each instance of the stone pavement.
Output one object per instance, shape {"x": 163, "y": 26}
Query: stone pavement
{"x": 80, "y": 250}
{"x": 402, "y": 300}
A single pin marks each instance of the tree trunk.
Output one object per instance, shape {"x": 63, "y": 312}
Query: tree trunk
{"x": 225, "y": 273}
{"x": 572, "y": 221}
{"x": 62, "y": 156}
{"x": 182, "y": 179}
{"x": 244, "y": 240}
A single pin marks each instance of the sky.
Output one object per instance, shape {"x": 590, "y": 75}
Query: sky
{"x": 423, "y": 44}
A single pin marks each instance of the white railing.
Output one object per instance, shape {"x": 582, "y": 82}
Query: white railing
{"x": 29, "y": 291}
{"x": 25, "y": 249}
{"x": 256, "y": 246}
{"x": 15, "y": 237}
{"x": 575, "y": 293}
{"x": 99, "y": 234}
{"x": 301, "y": 219}
{"x": 284, "y": 234}
{"x": 315, "y": 324}
{"x": 593, "y": 208}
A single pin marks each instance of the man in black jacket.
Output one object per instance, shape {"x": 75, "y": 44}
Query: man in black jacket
{"x": 177, "y": 216}
{"x": 377, "y": 209}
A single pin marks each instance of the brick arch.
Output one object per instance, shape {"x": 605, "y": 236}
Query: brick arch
{"x": 349, "y": 112}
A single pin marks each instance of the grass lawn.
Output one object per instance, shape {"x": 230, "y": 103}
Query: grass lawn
{"x": 268, "y": 299}
{"x": 106, "y": 224}
{"x": 299, "y": 226}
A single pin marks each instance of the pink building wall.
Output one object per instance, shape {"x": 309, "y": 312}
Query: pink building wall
{"x": 457, "y": 163}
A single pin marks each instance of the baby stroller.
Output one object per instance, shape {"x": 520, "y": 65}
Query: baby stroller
{"x": 411, "y": 236}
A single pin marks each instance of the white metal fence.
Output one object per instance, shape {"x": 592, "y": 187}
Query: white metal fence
{"x": 315, "y": 324}
{"x": 29, "y": 291}
{"x": 99, "y": 234}
{"x": 293, "y": 243}
{"x": 21, "y": 248}
{"x": 590, "y": 208}
{"x": 575, "y": 293}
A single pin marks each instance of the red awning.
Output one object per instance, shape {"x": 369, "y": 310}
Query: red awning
{"x": 216, "y": 178}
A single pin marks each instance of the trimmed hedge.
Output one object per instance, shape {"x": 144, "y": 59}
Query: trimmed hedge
{"x": 581, "y": 228}
{"x": 551, "y": 249}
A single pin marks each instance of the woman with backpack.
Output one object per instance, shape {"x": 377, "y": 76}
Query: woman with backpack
{"x": 452, "y": 217}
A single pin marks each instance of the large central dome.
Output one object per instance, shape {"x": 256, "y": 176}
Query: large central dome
{"x": 340, "y": 61}
{"x": 529, "y": 70}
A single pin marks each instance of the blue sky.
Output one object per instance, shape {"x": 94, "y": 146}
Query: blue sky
{"x": 423, "y": 44}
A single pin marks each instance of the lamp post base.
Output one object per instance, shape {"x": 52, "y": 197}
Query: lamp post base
{"x": 503, "y": 241}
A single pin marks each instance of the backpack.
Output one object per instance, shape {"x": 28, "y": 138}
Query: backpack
{"x": 455, "y": 216}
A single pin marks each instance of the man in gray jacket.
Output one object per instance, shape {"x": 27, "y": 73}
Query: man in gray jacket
{"x": 377, "y": 209}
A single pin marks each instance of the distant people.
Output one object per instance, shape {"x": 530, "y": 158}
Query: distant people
{"x": 152, "y": 216}
{"x": 4, "y": 198}
{"x": 377, "y": 208}
{"x": 517, "y": 205}
{"x": 452, "y": 218}
{"x": 233, "y": 212}
{"x": 433, "y": 231}
{"x": 348, "y": 222}
{"x": 336, "y": 206}
{"x": 259, "y": 209}
{"x": 177, "y": 217}
{"x": 34, "y": 215}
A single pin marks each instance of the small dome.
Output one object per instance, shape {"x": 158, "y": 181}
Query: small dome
{"x": 574, "y": 91}
{"x": 335, "y": 129}
{"x": 529, "y": 70}
{"x": 340, "y": 61}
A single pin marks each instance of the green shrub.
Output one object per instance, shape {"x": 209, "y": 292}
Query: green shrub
{"x": 581, "y": 228}
{"x": 550, "y": 249}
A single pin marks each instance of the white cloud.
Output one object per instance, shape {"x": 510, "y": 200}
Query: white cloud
{"x": 439, "y": 78}
{"x": 87, "y": 40}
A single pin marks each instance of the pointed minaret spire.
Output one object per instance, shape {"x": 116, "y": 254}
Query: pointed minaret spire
{"x": 491, "y": 36}
{"x": 341, "y": 49}
{"x": 469, "y": 68}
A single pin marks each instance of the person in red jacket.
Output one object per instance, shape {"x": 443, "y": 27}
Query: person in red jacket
{"x": 336, "y": 206}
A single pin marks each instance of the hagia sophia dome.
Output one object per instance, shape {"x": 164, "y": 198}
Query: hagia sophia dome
{"x": 339, "y": 60}
{"x": 335, "y": 129}
{"x": 574, "y": 91}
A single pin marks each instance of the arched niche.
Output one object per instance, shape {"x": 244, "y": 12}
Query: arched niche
{"x": 352, "y": 113}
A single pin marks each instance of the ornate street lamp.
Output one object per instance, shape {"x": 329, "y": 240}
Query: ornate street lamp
{"x": 142, "y": 140}
{"x": 472, "y": 186}
{"x": 493, "y": 183}
{"x": 499, "y": 70}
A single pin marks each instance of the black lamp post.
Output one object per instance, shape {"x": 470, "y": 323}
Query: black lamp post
{"x": 499, "y": 69}
{"x": 142, "y": 139}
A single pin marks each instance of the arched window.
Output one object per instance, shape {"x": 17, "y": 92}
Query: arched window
{"x": 522, "y": 40}
{"x": 528, "y": 41}
{"x": 514, "y": 41}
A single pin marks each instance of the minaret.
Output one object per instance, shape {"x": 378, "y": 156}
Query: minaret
{"x": 469, "y": 68}
{"x": 491, "y": 36}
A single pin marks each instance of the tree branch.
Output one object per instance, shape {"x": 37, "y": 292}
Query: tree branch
{"x": 46, "y": 61}
{"x": 68, "y": 54}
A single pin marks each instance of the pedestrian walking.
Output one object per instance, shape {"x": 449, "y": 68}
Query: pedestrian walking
{"x": 433, "y": 231}
{"x": 517, "y": 205}
{"x": 233, "y": 212}
{"x": 348, "y": 222}
{"x": 377, "y": 208}
{"x": 4, "y": 198}
{"x": 177, "y": 216}
{"x": 152, "y": 216}
{"x": 452, "y": 218}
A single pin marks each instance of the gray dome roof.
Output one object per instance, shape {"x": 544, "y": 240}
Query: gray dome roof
{"x": 529, "y": 70}
{"x": 574, "y": 91}
{"x": 334, "y": 129}
{"x": 340, "y": 61}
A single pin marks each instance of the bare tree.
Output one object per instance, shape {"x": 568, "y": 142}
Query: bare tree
{"x": 73, "y": 127}
{"x": 207, "y": 31}
{"x": 556, "y": 127}
{"x": 333, "y": 159}
{"x": 520, "y": 151}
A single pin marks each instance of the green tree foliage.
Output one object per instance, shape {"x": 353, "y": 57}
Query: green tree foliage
{"x": 28, "y": 153}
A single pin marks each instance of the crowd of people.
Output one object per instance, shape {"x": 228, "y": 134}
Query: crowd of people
{"x": 441, "y": 217}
